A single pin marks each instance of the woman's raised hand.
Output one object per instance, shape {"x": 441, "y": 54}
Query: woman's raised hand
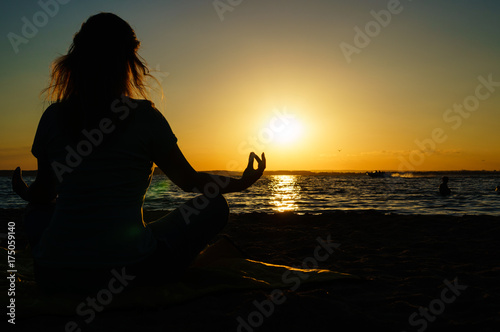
{"x": 250, "y": 175}
{"x": 18, "y": 185}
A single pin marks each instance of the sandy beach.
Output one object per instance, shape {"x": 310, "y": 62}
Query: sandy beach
{"x": 416, "y": 273}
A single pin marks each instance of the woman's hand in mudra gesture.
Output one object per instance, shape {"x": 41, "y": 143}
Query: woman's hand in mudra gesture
{"x": 251, "y": 175}
{"x": 18, "y": 185}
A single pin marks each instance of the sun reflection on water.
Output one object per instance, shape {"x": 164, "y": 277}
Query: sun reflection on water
{"x": 285, "y": 192}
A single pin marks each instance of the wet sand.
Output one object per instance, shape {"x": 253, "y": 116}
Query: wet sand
{"x": 405, "y": 264}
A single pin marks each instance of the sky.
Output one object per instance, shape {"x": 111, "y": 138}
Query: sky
{"x": 316, "y": 85}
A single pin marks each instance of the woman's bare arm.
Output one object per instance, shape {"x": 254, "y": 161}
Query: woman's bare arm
{"x": 42, "y": 190}
{"x": 180, "y": 172}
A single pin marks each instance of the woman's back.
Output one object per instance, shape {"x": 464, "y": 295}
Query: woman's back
{"x": 95, "y": 148}
{"x": 103, "y": 178}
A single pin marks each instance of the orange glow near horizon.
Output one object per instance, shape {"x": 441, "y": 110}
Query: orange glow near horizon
{"x": 272, "y": 78}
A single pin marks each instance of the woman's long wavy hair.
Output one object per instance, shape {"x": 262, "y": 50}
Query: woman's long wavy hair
{"x": 102, "y": 63}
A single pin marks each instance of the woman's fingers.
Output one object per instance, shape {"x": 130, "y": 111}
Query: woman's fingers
{"x": 18, "y": 185}
{"x": 262, "y": 163}
{"x": 250, "y": 160}
{"x": 16, "y": 176}
{"x": 250, "y": 175}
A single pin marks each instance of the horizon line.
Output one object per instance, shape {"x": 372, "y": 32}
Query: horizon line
{"x": 157, "y": 170}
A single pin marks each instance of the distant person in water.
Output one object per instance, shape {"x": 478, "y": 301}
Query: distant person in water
{"x": 443, "y": 187}
{"x": 96, "y": 146}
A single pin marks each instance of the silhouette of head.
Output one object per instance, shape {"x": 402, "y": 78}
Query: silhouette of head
{"x": 102, "y": 62}
{"x": 445, "y": 179}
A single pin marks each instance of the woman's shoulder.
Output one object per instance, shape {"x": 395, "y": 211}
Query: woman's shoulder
{"x": 145, "y": 108}
{"x": 145, "y": 103}
{"x": 54, "y": 106}
{"x": 50, "y": 112}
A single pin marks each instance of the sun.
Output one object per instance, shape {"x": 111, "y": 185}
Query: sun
{"x": 290, "y": 132}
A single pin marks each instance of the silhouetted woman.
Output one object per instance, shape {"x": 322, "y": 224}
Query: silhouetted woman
{"x": 95, "y": 147}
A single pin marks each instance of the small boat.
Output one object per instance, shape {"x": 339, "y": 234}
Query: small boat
{"x": 377, "y": 174}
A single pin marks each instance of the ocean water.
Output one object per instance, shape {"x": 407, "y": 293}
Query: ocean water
{"x": 403, "y": 194}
